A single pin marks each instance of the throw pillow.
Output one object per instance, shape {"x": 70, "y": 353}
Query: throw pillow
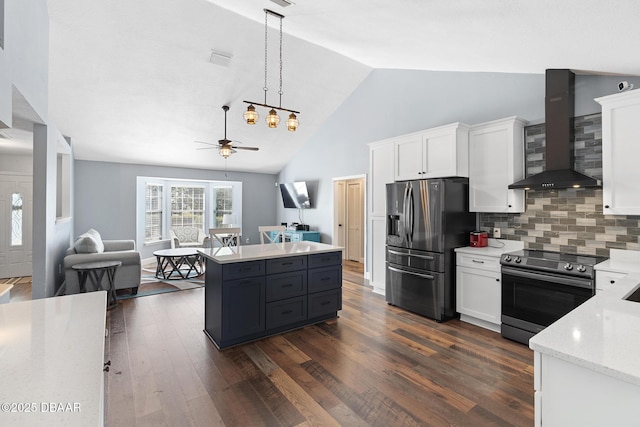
{"x": 96, "y": 236}
{"x": 89, "y": 243}
{"x": 85, "y": 244}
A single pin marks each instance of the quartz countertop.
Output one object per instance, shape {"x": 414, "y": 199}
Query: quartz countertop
{"x": 51, "y": 361}
{"x": 621, "y": 261}
{"x": 496, "y": 247}
{"x": 266, "y": 251}
{"x": 601, "y": 334}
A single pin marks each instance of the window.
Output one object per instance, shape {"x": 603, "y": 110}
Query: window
{"x": 153, "y": 213}
{"x": 187, "y": 207}
{"x": 16, "y": 219}
{"x": 223, "y": 197}
{"x": 164, "y": 203}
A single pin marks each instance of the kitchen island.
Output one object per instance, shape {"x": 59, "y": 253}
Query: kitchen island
{"x": 255, "y": 291}
{"x": 587, "y": 369}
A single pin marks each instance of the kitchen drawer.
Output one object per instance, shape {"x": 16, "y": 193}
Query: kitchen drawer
{"x": 285, "y": 312}
{"x": 481, "y": 262}
{"x": 286, "y": 285}
{"x": 323, "y": 279}
{"x": 324, "y": 303}
{"x": 243, "y": 269}
{"x": 282, "y": 265}
{"x": 323, "y": 260}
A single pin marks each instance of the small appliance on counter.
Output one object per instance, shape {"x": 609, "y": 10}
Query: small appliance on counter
{"x": 478, "y": 239}
{"x": 298, "y": 227}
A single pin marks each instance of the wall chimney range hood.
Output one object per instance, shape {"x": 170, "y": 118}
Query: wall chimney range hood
{"x": 559, "y": 157}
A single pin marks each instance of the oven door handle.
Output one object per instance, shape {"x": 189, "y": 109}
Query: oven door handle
{"x": 567, "y": 281}
{"x": 424, "y": 276}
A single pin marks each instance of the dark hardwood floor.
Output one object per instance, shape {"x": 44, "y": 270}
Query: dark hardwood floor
{"x": 374, "y": 365}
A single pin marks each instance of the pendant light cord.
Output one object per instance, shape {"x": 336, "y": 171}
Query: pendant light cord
{"x": 280, "y": 92}
{"x": 265, "y": 88}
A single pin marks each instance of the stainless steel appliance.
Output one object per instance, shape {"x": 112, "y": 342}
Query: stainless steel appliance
{"x": 539, "y": 287}
{"x": 426, "y": 219}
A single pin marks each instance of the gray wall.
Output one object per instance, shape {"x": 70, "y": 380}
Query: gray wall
{"x": 16, "y": 163}
{"x": 105, "y": 198}
{"x": 395, "y": 102}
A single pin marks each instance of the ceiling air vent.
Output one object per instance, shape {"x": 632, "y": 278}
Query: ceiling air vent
{"x": 283, "y": 3}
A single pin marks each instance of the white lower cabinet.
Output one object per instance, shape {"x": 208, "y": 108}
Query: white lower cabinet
{"x": 478, "y": 290}
{"x": 567, "y": 394}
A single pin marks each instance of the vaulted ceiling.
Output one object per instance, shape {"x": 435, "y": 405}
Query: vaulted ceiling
{"x": 133, "y": 81}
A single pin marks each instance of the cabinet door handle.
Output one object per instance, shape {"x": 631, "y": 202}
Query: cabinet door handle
{"x": 287, "y": 285}
{"x": 287, "y": 312}
{"x": 612, "y": 282}
{"x": 497, "y": 280}
{"x": 324, "y": 279}
{"x": 606, "y": 206}
{"x": 287, "y": 263}
{"x": 477, "y": 261}
{"x": 325, "y": 303}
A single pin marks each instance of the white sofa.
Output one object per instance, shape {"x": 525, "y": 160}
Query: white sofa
{"x": 127, "y": 275}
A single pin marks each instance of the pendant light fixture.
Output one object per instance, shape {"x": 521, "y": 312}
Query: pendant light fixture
{"x": 272, "y": 119}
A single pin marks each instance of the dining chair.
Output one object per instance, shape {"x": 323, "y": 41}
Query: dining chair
{"x": 266, "y": 235}
{"x": 228, "y": 236}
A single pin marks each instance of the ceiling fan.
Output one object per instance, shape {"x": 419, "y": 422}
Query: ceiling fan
{"x": 225, "y": 146}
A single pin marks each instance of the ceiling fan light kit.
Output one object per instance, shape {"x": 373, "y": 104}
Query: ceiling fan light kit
{"x": 225, "y": 146}
{"x": 272, "y": 119}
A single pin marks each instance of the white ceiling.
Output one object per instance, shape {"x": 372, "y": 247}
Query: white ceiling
{"x": 131, "y": 81}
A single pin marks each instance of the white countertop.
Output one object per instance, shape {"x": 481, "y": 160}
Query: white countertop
{"x": 603, "y": 334}
{"x": 621, "y": 261}
{"x": 266, "y": 251}
{"x": 496, "y": 247}
{"x": 52, "y": 354}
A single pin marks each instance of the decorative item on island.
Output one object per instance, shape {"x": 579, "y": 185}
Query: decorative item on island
{"x": 255, "y": 291}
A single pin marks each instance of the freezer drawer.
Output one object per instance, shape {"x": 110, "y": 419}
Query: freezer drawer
{"x": 420, "y": 260}
{"x": 419, "y": 291}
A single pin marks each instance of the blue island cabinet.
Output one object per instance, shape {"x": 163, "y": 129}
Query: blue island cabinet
{"x": 246, "y": 301}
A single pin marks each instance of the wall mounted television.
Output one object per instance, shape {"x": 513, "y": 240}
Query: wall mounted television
{"x": 295, "y": 195}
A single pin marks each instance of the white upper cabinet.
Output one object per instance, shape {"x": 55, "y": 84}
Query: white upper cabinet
{"x": 496, "y": 159}
{"x": 434, "y": 153}
{"x": 620, "y": 153}
{"x": 380, "y": 174}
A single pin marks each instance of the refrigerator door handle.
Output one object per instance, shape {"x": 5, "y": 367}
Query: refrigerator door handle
{"x": 424, "y": 276}
{"x": 427, "y": 257}
{"x": 398, "y": 253}
{"x": 405, "y": 207}
{"x": 410, "y": 205}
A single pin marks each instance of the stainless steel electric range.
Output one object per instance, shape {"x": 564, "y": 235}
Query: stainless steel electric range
{"x": 539, "y": 287}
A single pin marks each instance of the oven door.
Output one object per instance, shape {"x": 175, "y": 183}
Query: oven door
{"x": 532, "y": 300}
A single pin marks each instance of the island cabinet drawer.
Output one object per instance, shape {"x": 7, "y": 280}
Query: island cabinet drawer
{"x": 285, "y": 312}
{"x": 324, "y": 303}
{"x": 481, "y": 262}
{"x": 324, "y": 260}
{"x": 323, "y": 279}
{"x": 242, "y": 269}
{"x": 286, "y": 285}
{"x": 282, "y": 265}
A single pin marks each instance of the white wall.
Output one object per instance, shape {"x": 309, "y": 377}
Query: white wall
{"x": 16, "y": 163}
{"x": 27, "y": 50}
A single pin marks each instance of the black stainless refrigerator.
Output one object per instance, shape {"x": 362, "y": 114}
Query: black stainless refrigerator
{"x": 426, "y": 220}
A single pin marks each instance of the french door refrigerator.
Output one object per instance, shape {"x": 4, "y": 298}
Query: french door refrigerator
{"x": 426, "y": 220}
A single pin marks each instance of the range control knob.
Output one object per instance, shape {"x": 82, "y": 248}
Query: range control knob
{"x": 518, "y": 260}
{"x": 507, "y": 258}
{"x": 568, "y": 266}
{"x": 581, "y": 268}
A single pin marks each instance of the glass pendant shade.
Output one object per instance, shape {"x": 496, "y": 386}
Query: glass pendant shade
{"x": 250, "y": 115}
{"x": 272, "y": 119}
{"x": 292, "y": 123}
{"x": 225, "y": 151}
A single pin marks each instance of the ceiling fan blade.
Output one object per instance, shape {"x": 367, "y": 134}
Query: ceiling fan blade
{"x": 206, "y": 143}
{"x": 246, "y": 148}
{"x": 206, "y": 148}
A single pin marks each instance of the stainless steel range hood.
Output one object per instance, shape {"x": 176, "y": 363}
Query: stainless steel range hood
{"x": 559, "y": 158}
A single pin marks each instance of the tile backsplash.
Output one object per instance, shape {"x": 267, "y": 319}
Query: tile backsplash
{"x": 568, "y": 220}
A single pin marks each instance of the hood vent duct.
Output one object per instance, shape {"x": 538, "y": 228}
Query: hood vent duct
{"x": 559, "y": 157}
